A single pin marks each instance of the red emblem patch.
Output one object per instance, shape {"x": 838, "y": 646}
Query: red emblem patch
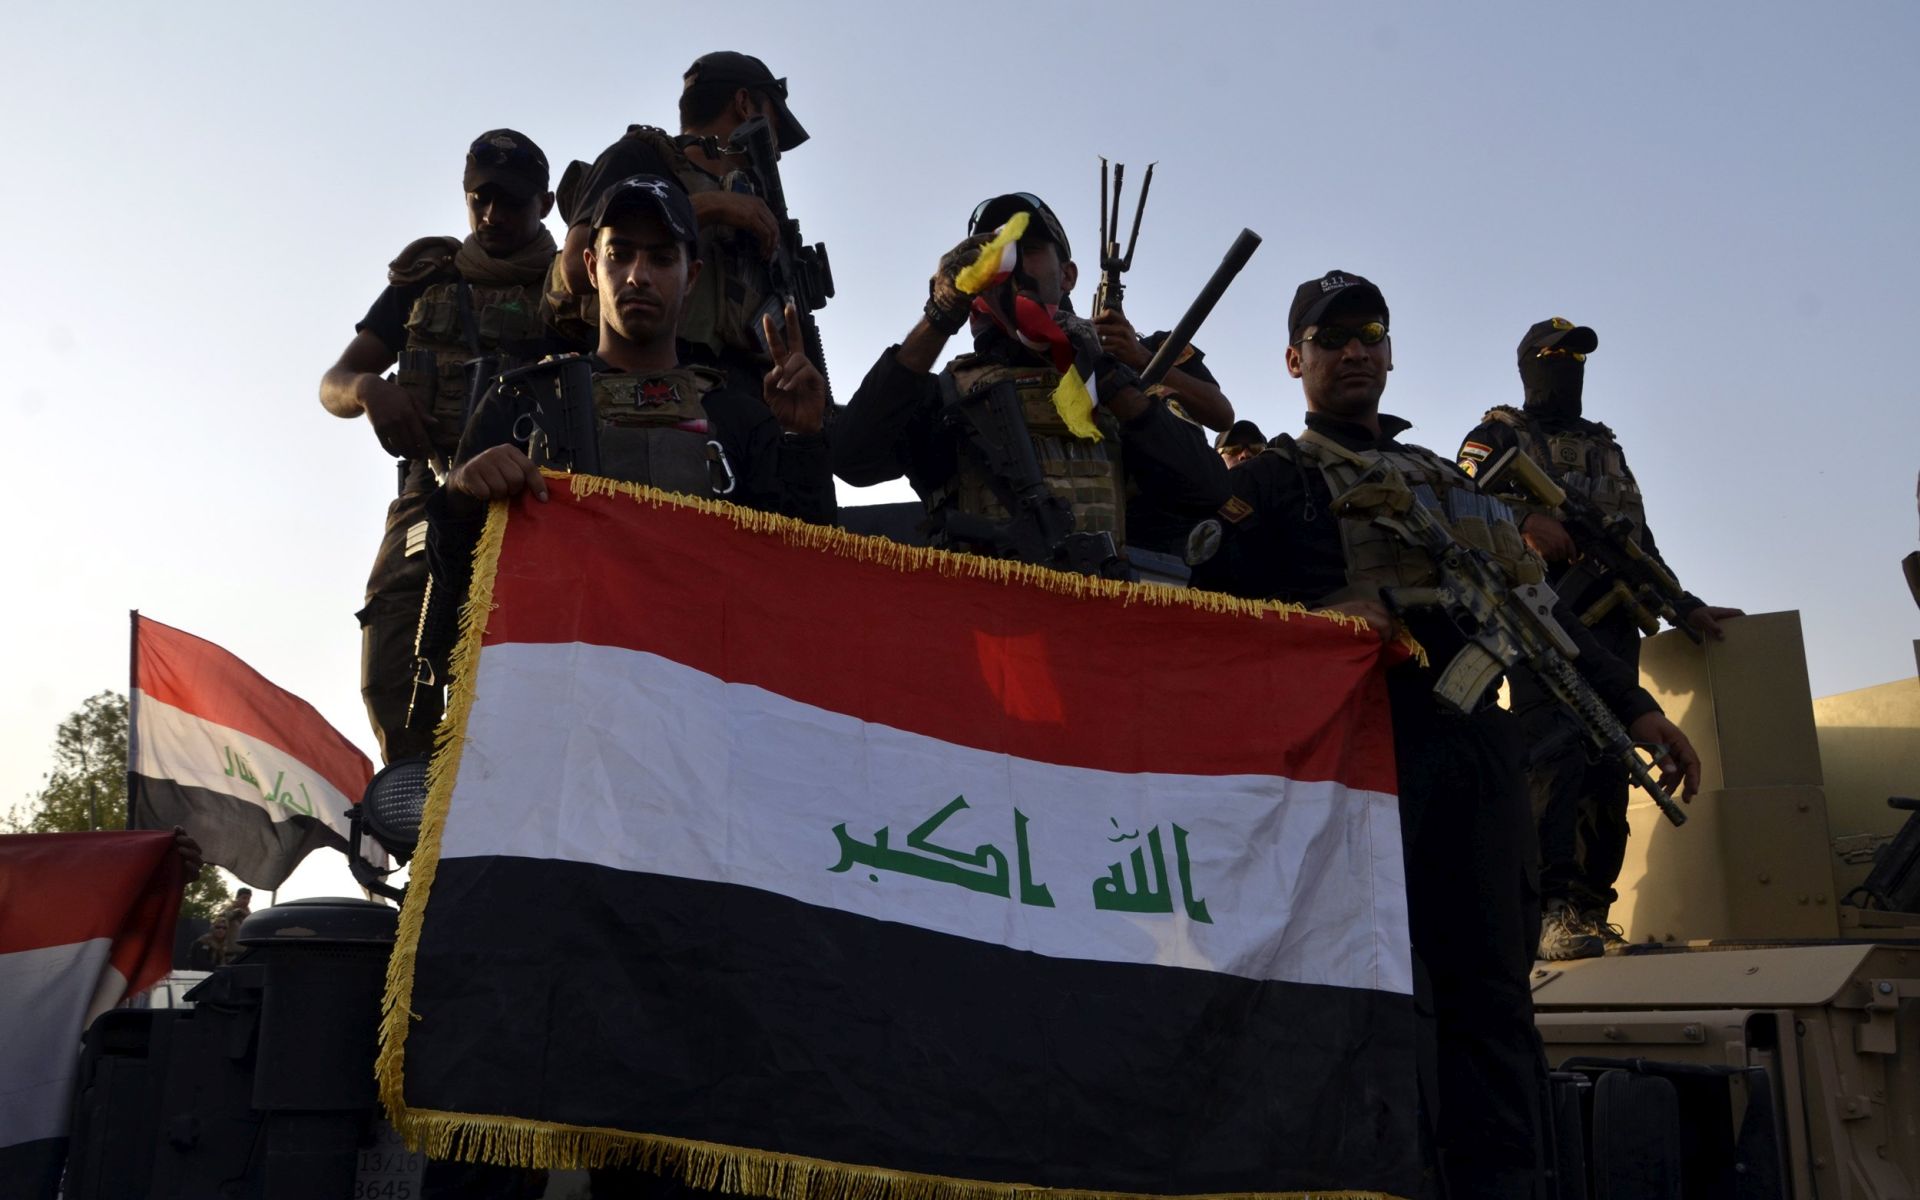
{"x": 657, "y": 391}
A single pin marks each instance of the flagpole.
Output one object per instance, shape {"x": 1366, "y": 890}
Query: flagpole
{"x": 133, "y": 691}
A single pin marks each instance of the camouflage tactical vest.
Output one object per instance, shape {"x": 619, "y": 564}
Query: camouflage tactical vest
{"x": 1087, "y": 474}
{"x": 1377, "y": 558}
{"x": 505, "y": 319}
{"x": 1585, "y": 461}
{"x": 653, "y": 430}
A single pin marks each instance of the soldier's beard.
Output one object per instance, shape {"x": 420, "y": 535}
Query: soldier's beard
{"x": 1553, "y": 386}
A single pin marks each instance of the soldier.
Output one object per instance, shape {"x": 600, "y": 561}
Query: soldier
{"x": 1580, "y": 806}
{"x": 677, "y": 427}
{"x": 447, "y": 303}
{"x": 1471, "y": 908}
{"x": 721, "y": 327}
{"x": 903, "y": 420}
{"x": 1239, "y": 443}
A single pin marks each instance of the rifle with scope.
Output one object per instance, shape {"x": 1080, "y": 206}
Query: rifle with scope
{"x": 1610, "y": 553}
{"x": 1505, "y": 626}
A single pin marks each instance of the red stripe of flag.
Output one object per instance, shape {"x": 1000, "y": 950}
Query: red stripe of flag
{"x": 60, "y": 888}
{"x": 200, "y": 678}
{"x": 1002, "y": 667}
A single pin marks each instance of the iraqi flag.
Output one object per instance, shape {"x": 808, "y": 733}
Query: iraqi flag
{"x": 252, "y": 772}
{"x": 85, "y": 919}
{"x": 793, "y": 863}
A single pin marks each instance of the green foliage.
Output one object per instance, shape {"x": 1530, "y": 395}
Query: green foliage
{"x": 87, "y": 789}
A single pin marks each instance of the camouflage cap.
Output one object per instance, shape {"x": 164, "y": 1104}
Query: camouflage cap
{"x": 508, "y": 160}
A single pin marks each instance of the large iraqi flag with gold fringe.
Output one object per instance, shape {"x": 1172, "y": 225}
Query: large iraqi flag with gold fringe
{"x": 795, "y": 864}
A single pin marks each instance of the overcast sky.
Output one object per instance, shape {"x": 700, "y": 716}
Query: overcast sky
{"x": 201, "y": 201}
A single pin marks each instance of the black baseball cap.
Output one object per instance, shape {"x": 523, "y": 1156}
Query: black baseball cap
{"x": 509, "y": 160}
{"x": 656, "y": 194}
{"x": 1558, "y": 331}
{"x": 991, "y": 214}
{"x": 732, "y": 68}
{"x": 1240, "y": 433}
{"x": 1316, "y": 298}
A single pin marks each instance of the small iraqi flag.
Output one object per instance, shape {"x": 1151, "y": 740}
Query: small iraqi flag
{"x": 85, "y": 919}
{"x": 1004, "y": 879}
{"x": 251, "y": 771}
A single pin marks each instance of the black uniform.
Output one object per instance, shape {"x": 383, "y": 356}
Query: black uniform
{"x": 773, "y": 471}
{"x": 1472, "y": 909}
{"x": 892, "y": 427}
{"x": 1150, "y": 523}
{"x": 1579, "y": 805}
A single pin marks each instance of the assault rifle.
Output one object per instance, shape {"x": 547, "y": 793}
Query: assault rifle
{"x": 1609, "y": 552}
{"x": 1504, "y": 626}
{"x": 1113, "y": 264}
{"x": 799, "y": 272}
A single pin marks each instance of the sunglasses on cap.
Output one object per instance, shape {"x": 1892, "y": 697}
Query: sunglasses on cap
{"x": 1011, "y": 203}
{"x": 1335, "y": 337}
{"x": 1560, "y": 352}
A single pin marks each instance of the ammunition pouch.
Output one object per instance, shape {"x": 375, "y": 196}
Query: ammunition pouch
{"x": 1086, "y": 475}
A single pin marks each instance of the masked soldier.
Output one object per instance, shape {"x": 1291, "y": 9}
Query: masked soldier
{"x": 985, "y": 442}
{"x": 448, "y": 303}
{"x": 1471, "y": 907}
{"x": 724, "y": 319}
{"x": 1580, "y": 806}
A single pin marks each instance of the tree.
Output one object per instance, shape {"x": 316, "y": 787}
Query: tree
{"x": 87, "y": 789}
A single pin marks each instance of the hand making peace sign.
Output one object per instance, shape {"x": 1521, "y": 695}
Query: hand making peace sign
{"x": 794, "y": 391}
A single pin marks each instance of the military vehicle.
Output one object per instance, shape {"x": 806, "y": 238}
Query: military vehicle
{"x": 1759, "y": 1035}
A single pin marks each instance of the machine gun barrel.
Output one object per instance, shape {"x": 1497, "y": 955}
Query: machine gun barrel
{"x": 1197, "y": 312}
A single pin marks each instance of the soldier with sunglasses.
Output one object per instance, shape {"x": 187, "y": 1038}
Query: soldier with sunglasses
{"x": 1472, "y": 911}
{"x": 1580, "y": 806}
{"x": 934, "y": 427}
{"x": 448, "y": 303}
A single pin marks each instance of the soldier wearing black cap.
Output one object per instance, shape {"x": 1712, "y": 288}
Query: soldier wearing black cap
{"x": 721, "y": 91}
{"x": 905, "y": 419}
{"x": 678, "y": 427}
{"x": 1471, "y": 908}
{"x": 1239, "y": 442}
{"x": 1580, "y": 806}
{"x": 447, "y": 302}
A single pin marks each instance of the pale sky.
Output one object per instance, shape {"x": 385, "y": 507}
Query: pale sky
{"x": 203, "y": 200}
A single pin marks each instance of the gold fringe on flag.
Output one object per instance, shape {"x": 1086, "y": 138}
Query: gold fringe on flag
{"x": 739, "y": 1171}
{"x": 743, "y": 1171}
